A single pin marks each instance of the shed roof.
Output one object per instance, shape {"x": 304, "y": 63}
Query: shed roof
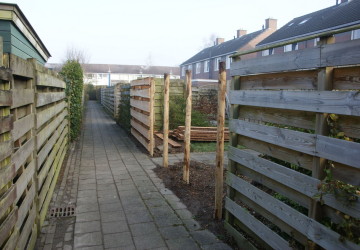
{"x": 228, "y": 47}
{"x": 331, "y": 18}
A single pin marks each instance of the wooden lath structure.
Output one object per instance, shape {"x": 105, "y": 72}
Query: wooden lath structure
{"x": 282, "y": 139}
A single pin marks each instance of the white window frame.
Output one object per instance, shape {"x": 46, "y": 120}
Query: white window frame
{"x": 228, "y": 62}
{"x": 355, "y": 34}
{"x": 183, "y": 71}
{"x": 190, "y": 67}
{"x": 198, "y": 67}
{"x": 291, "y": 47}
{"x": 206, "y": 66}
{"x": 216, "y": 63}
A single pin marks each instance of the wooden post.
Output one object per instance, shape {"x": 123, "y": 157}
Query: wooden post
{"x": 152, "y": 116}
{"x": 186, "y": 167}
{"x": 166, "y": 120}
{"x": 219, "y": 170}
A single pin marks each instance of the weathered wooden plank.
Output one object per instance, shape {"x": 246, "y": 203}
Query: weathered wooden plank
{"x": 299, "y": 119}
{"x": 312, "y": 229}
{"x": 47, "y": 114}
{"x": 350, "y": 125}
{"x": 5, "y": 74}
{"x": 7, "y": 199}
{"x": 27, "y": 229}
{"x": 22, "y": 126}
{"x": 239, "y": 238}
{"x": 337, "y": 102}
{"x": 25, "y": 206}
{"x": 289, "y": 80}
{"x": 143, "y": 105}
{"x": 7, "y": 173}
{"x": 140, "y": 117}
{"x": 341, "y": 151}
{"x": 44, "y": 79}
{"x": 346, "y": 174}
{"x": 46, "y": 98}
{"x": 7, "y": 225}
{"x": 346, "y": 78}
{"x": 294, "y": 140}
{"x": 301, "y": 59}
{"x": 302, "y": 183}
{"x": 24, "y": 180}
{"x": 11, "y": 242}
{"x": 21, "y": 67}
{"x": 49, "y": 129}
{"x": 6, "y": 123}
{"x": 271, "y": 238}
{"x": 145, "y": 81}
{"x": 140, "y": 138}
{"x": 20, "y": 156}
{"x": 145, "y": 132}
{"x": 340, "y": 54}
{"x": 22, "y": 97}
{"x": 173, "y": 143}
{"x": 5, "y": 98}
{"x": 145, "y": 93}
{"x": 6, "y": 148}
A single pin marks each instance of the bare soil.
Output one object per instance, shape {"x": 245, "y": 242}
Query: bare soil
{"x": 198, "y": 196}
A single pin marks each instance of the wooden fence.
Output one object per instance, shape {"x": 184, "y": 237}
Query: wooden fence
{"x": 147, "y": 108}
{"x": 33, "y": 144}
{"x": 293, "y": 116}
{"x": 108, "y": 100}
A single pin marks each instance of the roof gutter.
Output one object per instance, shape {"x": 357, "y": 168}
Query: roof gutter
{"x": 208, "y": 58}
{"x": 309, "y": 36}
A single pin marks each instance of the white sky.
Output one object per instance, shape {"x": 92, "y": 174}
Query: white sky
{"x": 128, "y": 31}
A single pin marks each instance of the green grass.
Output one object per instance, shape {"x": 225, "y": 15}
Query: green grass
{"x": 206, "y": 146}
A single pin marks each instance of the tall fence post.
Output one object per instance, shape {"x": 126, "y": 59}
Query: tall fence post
{"x": 186, "y": 167}
{"x": 219, "y": 170}
{"x": 166, "y": 120}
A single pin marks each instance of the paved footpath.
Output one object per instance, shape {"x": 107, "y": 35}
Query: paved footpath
{"x": 119, "y": 201}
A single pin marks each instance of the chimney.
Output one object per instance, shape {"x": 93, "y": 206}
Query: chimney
{"x": 240, "y": 33}
{"x": 271, "y": 23}
{"x": 219, "y": 41}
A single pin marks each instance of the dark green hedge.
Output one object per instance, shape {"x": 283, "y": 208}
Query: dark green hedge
{"x": 72, "y": 74}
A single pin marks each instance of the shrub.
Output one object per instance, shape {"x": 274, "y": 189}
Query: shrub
{"x": 72, "y": 74}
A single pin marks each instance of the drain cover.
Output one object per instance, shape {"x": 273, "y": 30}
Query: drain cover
{"x": 67, "y": 211}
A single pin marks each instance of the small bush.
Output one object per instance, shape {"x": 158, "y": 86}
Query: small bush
{"x": 72, "y": 75}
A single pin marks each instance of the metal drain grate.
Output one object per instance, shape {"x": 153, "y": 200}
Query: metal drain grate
{"x": 67, "y": 211}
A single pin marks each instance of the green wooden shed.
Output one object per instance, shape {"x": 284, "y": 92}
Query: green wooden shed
{"x": 19, "y": 37}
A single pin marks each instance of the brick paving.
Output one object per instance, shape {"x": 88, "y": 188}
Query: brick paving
{"x": 120, "y": 202}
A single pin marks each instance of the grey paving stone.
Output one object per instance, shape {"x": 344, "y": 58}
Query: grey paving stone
{"x": 113, "y": 216}
{"x": 143, "y": 229}
{"x": 118, "y": 240}
{"x": 174, "y": 232}
{"x": 156, "y": 202}
{"x": 134, "y": 218}
{"x": 88, "y": 207}
{"x": 114, "y": 227}
{"x": 104, "y": 193}
{"x": 192, "y": 225}
{"x": 87, "y": 227}
{"x": 87, "y": 239}
{"x": 110, "y": 207}
{"x": 86, "y": 193}
{"x": 106, "y": 187}
{"x": 88, "y": 216}
{"x": 91, "y": 248}
{"x": 169, "y": 220}
{"x": 216, "y": 246}
{"x": 204, "y": 237}
{"x": 149, "y": 241}
{"x": 184, "y": 214}
{"x": 182, "y": 243}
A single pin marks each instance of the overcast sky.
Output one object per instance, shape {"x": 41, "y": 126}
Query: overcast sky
{"x": 168, "y": 31}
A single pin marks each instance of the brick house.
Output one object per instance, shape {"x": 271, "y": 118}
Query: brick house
{"x": 344, "y": 14}
{"x": 204, "y": 65}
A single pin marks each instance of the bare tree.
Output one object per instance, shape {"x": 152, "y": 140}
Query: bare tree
{"x": 76, "y": 54}
{"x": 208, "y": 42}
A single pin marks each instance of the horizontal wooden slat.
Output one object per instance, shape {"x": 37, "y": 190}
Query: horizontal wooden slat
{"x": 46, "y": 98}
{"x": 5, "y": 74}
{"x": 7, "y": 225}
{"x": 49, "y": 129}
{"x": 140, "y": 138}
{"x": 143, "y": 105}
{"x": 140, "y": 117}
{"x": 307, "y": 226}
{"x": 44, "y": 79}
{"x": 47, "y": 114}
{"x": 145, "y": 93}
{"x": 7, "y": 173}
{"x": 20, "y": 156}
{"x": 6, "y": 148}
{"x": 27, "y": 229}
{"x": 145, "y": 81}
{"x": 22, "y": 126}
{"x": 238, "y": 237}
{"x": 270, "y": 238}
{"x": 25, "y": 206}
{"x": 6, "y": 124}
{"x": 337, "y": 102}
{"x": 22, "y": 97}
{"x": 5, "y": 98}
{"x": 21, "y": 67}
{"x": 293, "y": 179}
{"x": 24, "y": 180}
{"x": 7, "y": 199}
{"x": 347, "y": 78}
{"x": 145, "y": 132}
{"x": 301, "y": 59}
{"x": 341, "y": 54}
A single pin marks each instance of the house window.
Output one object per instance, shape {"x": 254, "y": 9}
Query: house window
{"x": 291, "y": 47}
{"x": 267, "y": 52}
{"x": 198, "y": 67}
{"x": 228, "y": 62}
{"x": 216, "y": 63}
{"x": 355, "y": 34}
{"x": 206, "y": 66}
{"x": 316, "y": 40}
{"x": 190, "y": 67}
{"x": 183, "y": 71}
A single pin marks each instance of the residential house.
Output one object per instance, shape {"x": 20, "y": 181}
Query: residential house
{"x": 342, "y": 15}
{"x": 205, "y": 64}
{"x": 110, "y": 74}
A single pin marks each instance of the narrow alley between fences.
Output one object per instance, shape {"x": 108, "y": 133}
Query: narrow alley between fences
{"x": 113, "y": 199}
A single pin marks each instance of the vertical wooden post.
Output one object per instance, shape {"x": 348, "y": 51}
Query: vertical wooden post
{"x": 186, "y": 167}
{"x": 152, "y": 116}
{"x": 219, "y": 169}
{"x": 166, "y": 120}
